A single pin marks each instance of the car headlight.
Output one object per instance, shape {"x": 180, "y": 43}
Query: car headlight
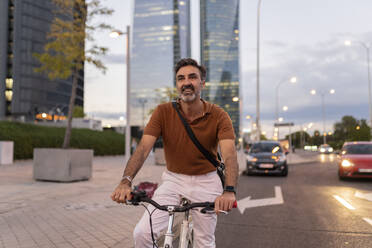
{"x": 346, "y": 163}
{"x": 322, "y": 150}
{"x": 330, "y": 149}
{"x": 251, "y": 158}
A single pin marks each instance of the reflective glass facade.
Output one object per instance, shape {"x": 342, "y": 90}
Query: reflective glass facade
{"x": 219, "y": 20}
{"x": 161, "y": 36}
{"x": 23, "y": 92}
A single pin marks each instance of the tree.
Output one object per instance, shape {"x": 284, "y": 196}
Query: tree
{"x": 317, "y": 138}
{"x": 164, "y": 95}
{"x": 78, "y": 112}
{"x": 299, "y": 138}
{"x": 64, "y": 53}
{"x": 351, "y": 129}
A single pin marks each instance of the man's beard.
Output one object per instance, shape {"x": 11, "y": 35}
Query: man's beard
{"x": 188, "y": 97}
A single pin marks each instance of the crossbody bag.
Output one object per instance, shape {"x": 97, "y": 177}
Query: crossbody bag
{"x": 218, "y": 164}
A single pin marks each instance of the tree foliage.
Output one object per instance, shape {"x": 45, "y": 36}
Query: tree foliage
{"x": 71, "y": 27}
{"x": 351, "y": 129}
{"x": 65, "y": 51}
{"x": 78, "y": 112}
{"x": 164, "y": 95}
{"x": 299, "y": 138}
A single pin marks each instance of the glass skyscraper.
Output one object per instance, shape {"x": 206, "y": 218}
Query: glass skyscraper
{"x": 23, "y": 92}
{"x": 219, "y": 26}
{"x": 161, "y": 36}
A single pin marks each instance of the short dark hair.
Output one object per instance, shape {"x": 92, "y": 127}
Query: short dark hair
{"x": 189, "y": 61}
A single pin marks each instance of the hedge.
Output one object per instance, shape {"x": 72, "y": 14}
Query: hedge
{"x": 26, "y": 137}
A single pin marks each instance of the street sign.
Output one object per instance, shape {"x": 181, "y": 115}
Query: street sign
{"x": 287, "y": 124}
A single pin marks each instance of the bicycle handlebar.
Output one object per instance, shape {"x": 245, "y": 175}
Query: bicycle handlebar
{"x": 141, "y": 196}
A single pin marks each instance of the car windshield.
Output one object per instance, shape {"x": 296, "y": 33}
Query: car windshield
{"x": 358, "y": 149}
{"x": 265, "y": 147}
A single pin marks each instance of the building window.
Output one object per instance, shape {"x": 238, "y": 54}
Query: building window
{"x": 8, "y": 95}
{"x": 9, "y": 83}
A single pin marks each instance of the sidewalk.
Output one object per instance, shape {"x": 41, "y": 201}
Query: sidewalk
{"x": 80, "y": 214}
{"x": 37, "y": 214}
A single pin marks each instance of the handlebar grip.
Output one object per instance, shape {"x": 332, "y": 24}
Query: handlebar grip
{"x": 235, "y": 205}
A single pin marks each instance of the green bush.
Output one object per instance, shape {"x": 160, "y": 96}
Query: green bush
{"x": 26, "y": 137}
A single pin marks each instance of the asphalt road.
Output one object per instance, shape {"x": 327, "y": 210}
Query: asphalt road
{"x": 309, "y": 215}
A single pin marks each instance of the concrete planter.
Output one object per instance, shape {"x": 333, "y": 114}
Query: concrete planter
{"x": 6, "y": 152}
{"x": 62, "y": 165}
{"x": 159, "y": 156}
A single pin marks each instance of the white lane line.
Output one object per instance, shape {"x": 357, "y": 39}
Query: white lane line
{"x": 369, "y": 221}
{"x": 344, "y": 202}
{"x": 366, "y": 196}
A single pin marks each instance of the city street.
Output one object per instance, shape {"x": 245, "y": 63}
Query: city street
{"x": 310, "y": 215}
{"x": 298, "y": 210}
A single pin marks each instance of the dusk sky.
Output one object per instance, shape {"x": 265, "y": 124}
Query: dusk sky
{"x": 299, "y": 38}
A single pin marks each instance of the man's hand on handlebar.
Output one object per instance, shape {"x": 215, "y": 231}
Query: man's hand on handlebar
{"x": 225, "y": 202}
{"x": 122, "y": 193}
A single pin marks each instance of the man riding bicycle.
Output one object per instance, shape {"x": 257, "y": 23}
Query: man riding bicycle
{"x": 188, "y": 174}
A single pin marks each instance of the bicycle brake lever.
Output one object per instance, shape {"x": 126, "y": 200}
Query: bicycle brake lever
{"x": 211, "y": 211}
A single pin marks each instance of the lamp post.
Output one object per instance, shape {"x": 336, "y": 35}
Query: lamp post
{"x": 115, "y": 34}
{"x": 143, "y": 102}
{"x": 322, "y": 94}
{"x": 258, "y": 74}
{"x": 248, "y": 117}
{"x": 367, "y": 47}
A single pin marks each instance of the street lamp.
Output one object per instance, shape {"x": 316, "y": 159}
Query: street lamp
{"x": 258, "y": 74}
{"x": 367, "y": 47}
{"x": 322, "y": 94}
{"x": 115, "y": 34}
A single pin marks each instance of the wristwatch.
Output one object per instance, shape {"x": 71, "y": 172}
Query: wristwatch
{"x": 230, "y": 189}
{"x": 128, "y": 178}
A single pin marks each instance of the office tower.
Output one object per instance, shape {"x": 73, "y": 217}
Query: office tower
{"x": 219, "y": 33}
{"x": 23, "y": 92}
{"x": 161, "y": 36}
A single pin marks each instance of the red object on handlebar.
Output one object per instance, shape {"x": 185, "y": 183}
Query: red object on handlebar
{"x": 235, "y": 205}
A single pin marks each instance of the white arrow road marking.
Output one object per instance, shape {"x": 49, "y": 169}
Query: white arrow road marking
{"x": 367, "y": 196}
{"x": 369, "y": 221}
{"x": 248, "y": 203}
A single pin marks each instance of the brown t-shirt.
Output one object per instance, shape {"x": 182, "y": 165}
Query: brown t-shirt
{"x": 181, "y": 155}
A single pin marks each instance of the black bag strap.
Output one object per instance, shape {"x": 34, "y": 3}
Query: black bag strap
{"x": 205, "y": 152}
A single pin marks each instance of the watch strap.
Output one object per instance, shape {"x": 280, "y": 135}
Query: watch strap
{"x": 230, "y": 189}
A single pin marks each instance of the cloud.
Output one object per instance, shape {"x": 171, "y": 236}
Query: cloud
{"x": 322, "y": 66}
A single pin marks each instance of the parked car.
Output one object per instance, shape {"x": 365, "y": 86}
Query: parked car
{"x": 266, "y": 157}
{"x": 325, "y": 148}
{"x": 355, "y": 160}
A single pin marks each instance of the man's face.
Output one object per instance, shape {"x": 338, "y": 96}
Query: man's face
{"x": 189, "y": 83}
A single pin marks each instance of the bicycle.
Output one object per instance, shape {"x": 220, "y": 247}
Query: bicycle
{"x": 186, "y": 230}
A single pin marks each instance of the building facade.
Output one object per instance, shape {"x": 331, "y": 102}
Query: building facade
{"x": 161, "y": 36}
{"x": 219, "y": 33}
{"x": 23, "y": 92}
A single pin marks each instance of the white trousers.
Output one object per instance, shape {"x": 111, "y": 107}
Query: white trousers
{"x": 200, "y": 188}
